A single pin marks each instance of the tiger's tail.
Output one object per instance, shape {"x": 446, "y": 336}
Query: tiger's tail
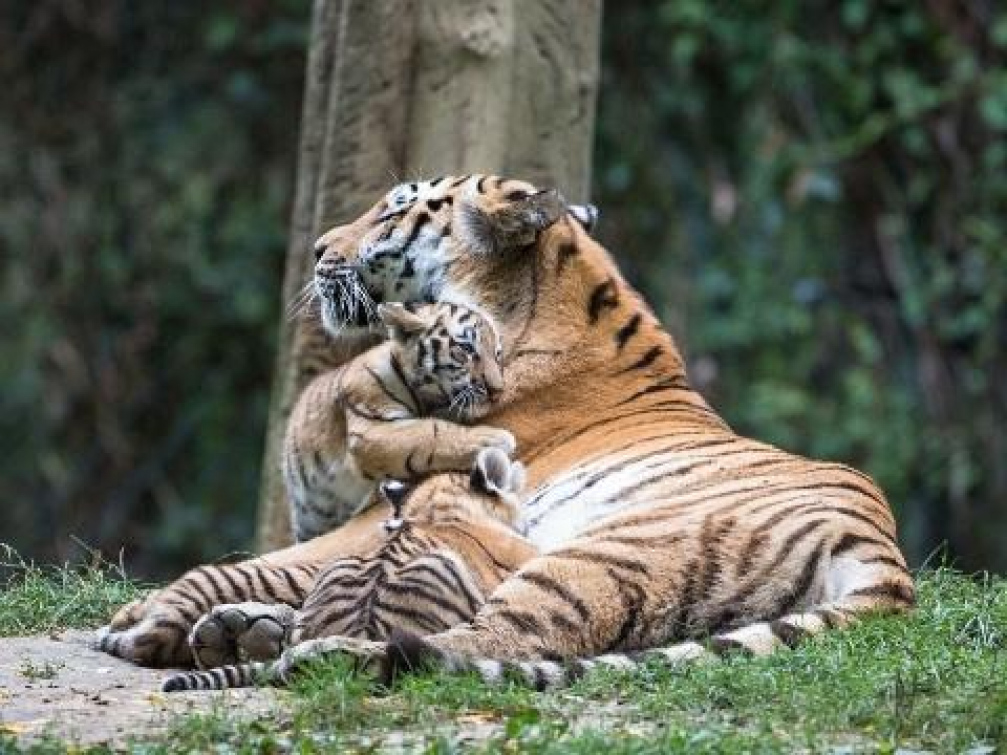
{"x": 407, "y": 652}
{"x": 248, "y": 674}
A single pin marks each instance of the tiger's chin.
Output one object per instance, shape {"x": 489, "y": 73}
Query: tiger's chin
{"x": 337, "y": 325}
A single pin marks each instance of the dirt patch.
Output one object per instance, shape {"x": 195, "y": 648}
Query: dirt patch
{"x": 57, "y": 685}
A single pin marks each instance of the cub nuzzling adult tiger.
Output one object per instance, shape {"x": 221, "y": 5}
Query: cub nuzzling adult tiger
{"x": 444, "y": 551}
{"x": 386, "y": 413}
{"x": 657, "y": 523}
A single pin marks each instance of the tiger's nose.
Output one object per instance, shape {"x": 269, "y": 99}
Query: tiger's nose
{"x": 493, "y": 389}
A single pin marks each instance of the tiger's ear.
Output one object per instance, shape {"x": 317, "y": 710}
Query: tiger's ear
{"x": 585, "y": 214}
{"x": 516, "y": 222}
{"x": 495, "y": 474}
{"x": 400, "y": 321}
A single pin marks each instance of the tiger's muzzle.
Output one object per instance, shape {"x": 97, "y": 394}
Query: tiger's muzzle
{"x": 345, "y": 300}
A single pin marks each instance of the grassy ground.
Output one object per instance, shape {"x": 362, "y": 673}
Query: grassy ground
{"x": 936, "y": 681}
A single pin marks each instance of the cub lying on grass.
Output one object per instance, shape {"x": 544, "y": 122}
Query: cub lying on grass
{"x": 447, "y": 546}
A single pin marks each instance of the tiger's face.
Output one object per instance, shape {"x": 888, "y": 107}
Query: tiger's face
{"x": 450, "y": 356}
{"x": 430, "y": 241}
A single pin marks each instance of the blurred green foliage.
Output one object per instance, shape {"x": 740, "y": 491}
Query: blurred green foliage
{"x": 146, "y": 166}
{"x": 812, "y": 194}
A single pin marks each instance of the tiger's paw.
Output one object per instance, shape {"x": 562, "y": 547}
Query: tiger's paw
{"x": 486, "y": 436}
{"x": 156, "y": 640}
{"x": 236, "y": 632}
{"x": 368, "y": 656}
{"x": 131, "y": 614}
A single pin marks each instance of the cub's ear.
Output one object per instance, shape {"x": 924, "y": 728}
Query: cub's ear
{"x": 515, "y": 222}
{"x": 399, "y": 320}
{"x": 585, "y": 214}
{"x": 495, "y": 474}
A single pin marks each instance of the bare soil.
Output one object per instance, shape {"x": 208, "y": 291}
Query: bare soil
{"x": 59, "y": 686}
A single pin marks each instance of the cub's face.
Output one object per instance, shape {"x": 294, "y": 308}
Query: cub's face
{"x": 426, "y": 240}
{"x": 450, "y": 355}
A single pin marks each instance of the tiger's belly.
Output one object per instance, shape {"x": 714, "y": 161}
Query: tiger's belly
{"x": 656, "y": 473}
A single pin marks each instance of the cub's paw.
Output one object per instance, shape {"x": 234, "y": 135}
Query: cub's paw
{"x": 236, "y": 632}
{"x": 486, "y": 436}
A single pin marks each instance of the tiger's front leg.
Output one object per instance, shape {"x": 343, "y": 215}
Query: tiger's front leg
{"x": 155, "y": 631}
{"x": 411, "y": 448}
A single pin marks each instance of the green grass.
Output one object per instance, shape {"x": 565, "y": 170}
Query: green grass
{"x": 38, "y": 599}
{"x": 934, "y": 681}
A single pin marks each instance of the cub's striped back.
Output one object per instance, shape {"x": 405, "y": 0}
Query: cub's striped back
{"x": 446, "y": 548}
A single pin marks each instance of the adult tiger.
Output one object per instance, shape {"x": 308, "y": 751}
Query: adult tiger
{"x": 657, "y": 522}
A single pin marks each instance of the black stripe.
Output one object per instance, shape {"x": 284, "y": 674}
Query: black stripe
{"x": 419, "y": 590}
{"x": 785, "y": 549}
{"x": 172, "y": 626}
{"x": 604, "y": 296}
{"x": 632, "y": 597}
{"x": 673, "y": 383}
{"x": 479, "y": 184}
{"x": 887, "y": 589}
{"x": 250, "y": 591}
{"x": 602, "y": 559}
{"x": 576, "y": 433}
{"x": 851, "y": 540}
{"x": 789, "y": 634}
{"x": 886, "y": 560}
{"x": 830, "y": 616}
{"x": 401, "y": 375}
{"x": 194, "y": 585}
{"x": 462, "y": 585}
{"x": 564, "y": 624}
{"x": 800, "y": 588}
{"x": 550, "y": 585}
{"x": 388, "y": 392}
{"x": 184, "y": 606}
{"x": 627, "y": 331}
{"x": 218, "y": 591}
{"x": 296, "y": 591}
{"x": 645, "y": 361}
{"x": 421, "y": 220}
{"x": 566, "y": 252}
{"x": 523, "y": 620}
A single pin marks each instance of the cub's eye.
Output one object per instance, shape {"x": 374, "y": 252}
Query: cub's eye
{"x": 462, "y": 349}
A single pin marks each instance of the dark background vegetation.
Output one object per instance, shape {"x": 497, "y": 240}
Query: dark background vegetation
{"x": 812, "y": 194}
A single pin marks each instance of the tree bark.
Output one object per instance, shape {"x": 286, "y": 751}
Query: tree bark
{"x": 399, "y": 89}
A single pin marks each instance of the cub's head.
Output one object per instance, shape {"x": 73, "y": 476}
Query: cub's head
{"x": 491, "y": 493}
{"x": 426, "y": 239}
{"x": 449, "y": 355}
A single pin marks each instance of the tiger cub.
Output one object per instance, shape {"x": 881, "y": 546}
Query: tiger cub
{"x": 446, "y": 547}
{"x": 384, "y": 414}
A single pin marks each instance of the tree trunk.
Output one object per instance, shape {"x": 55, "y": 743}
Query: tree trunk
{"x": 399, "y": 89}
